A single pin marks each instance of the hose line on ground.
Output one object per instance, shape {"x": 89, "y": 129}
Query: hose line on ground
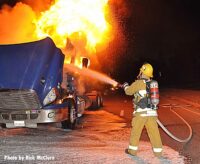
{"x": 170, "y": 134}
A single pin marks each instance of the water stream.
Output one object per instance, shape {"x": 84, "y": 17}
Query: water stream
{"x": 91, "y": 73}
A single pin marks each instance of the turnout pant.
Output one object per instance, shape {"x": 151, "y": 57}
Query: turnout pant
{"x": 138, "y": 123}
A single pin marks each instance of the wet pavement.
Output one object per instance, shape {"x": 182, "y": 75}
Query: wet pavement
{"x": 101, "y": 137}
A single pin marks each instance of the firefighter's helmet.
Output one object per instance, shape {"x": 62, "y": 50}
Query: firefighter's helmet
{"x": 147, "y": 70}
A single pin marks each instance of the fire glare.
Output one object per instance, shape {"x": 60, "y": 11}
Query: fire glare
{"x": 80, "y": 28}
{"x": 83, "y": 20}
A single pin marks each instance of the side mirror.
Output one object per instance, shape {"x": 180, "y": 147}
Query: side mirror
{"x": 85, "y": 62}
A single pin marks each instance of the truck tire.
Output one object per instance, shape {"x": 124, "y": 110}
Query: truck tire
{"x": 71, "y": 121}
{"x": 101, "y": 102}
{"x": 96, "y": 103}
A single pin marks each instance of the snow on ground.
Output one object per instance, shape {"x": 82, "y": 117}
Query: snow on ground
{"x": 101, "y": 138}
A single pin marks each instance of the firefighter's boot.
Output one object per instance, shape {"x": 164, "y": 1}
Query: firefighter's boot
{"x": 131, "y": 152}
{"x": 158, "y": 154}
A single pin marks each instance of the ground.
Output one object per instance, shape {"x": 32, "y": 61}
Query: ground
{"x": 102, "y": 136}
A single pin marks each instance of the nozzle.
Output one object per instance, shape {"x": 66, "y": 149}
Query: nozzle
{"x": 116, "y": 86}
{"x": 124, "y": 85}
{"x": 119, "y": 85}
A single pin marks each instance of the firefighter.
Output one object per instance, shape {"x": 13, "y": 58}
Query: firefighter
{"x": 145, "y": 113}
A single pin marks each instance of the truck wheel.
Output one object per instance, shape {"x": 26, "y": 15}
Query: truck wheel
{"x": 96, "y": 104}
{"x": 3, "y": 127}
{"x": 101, "y": 102}
{"x": 71, "y": 121}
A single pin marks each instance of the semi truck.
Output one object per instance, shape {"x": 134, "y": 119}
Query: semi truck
{"x": 32, "y": 89}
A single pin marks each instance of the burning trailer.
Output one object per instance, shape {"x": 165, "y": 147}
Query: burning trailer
{"x": 33, "y": 90}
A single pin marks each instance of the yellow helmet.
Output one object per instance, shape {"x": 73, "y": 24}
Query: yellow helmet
{"x": 147, "y": 70}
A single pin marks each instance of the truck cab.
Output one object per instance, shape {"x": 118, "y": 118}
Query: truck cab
{"x": 30, "y": 85}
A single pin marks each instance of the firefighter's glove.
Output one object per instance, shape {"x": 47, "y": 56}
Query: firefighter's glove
{"x": 124, "y": 85}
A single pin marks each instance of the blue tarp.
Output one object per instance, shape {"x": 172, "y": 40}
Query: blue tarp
{"x": 23, "y": 66}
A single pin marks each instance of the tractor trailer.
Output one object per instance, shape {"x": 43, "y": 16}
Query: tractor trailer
{"x": 31, "y": 87}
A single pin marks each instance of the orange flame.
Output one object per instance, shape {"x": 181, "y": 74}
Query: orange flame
{"x": 78, "y": 20}
{"x": 79, "y": 27}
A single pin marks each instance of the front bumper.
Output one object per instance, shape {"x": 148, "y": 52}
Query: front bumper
{"x": 30, "y": 118}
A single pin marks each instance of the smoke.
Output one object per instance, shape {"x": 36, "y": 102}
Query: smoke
{"x": 38, "y": 5}
{"x": 86, "y": 77}
{"x": 120, "y": 12}
{"x": 16, "y": 24}
{"x": 92, "y": 74}
{"x": 121, "y": 8}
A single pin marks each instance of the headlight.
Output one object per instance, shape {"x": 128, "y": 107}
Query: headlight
{"x": 51, "y": 96}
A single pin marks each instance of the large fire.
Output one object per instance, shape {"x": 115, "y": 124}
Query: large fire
{"x": 76, "y": 26}
{"x": 81, "y": 28}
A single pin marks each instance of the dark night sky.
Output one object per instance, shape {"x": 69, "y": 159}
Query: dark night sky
{"x": 165, "y": 33}
{"x": 10, "y": 2}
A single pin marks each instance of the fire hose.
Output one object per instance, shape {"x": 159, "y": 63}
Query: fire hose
{"x": 170, "y": 134}
{"x": 154, "y": 97}
{"x": 154, "y": 94}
